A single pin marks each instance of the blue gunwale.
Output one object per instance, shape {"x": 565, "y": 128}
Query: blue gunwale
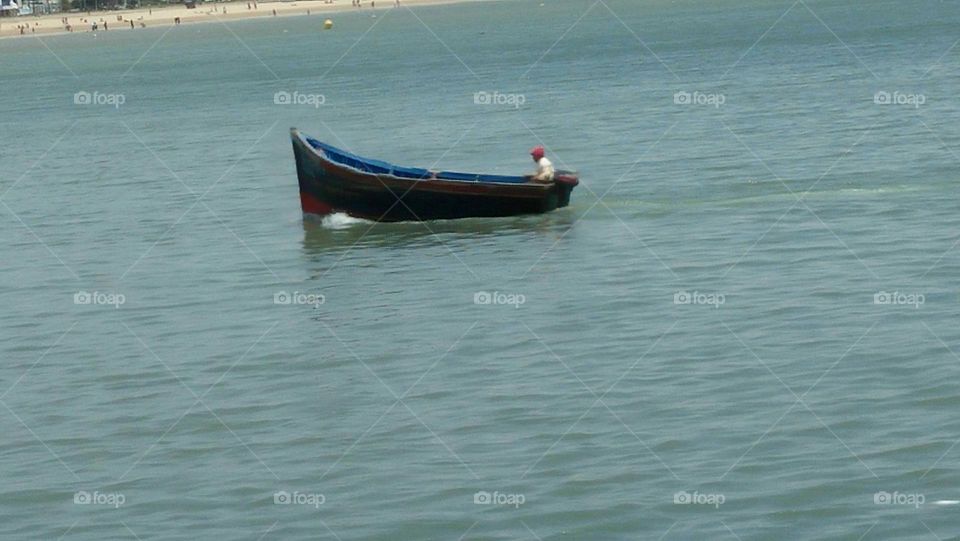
{"x": 378, "y": 167}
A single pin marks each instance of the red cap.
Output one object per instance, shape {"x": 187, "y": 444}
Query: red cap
{"x": 537, "y": 152}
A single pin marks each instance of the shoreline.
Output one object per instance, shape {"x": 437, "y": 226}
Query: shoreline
{"x": 165, "y": 16}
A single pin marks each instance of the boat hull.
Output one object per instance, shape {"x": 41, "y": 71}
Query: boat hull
{"x": 327, "y": 187}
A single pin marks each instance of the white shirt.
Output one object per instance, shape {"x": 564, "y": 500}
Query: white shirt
{"x": 545, "y": 170}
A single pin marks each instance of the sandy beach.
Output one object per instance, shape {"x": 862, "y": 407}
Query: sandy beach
{"x": 136, "y": 19}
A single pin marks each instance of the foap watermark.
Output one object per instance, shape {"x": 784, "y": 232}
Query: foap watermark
{"x": 696, "y": 498}
{"x": 699, "y": 98}
{"x": 899, "y": 498}
{"x": 114, "y": 499}
{"x": 299, "y": 297}
{"x": 99, "y": 298}
{"x": 99, "y": 98}
{"x": 282, "y": 97}
{"x": 883, "y": 97}
{"x": 899, "y": 298}
{"x": 697, "y": 297}
{"x": 498, "y": 98}
{"x": 282, "y": 497}
{"x": 499, "y": 298}
{"x": 498, "y": 498}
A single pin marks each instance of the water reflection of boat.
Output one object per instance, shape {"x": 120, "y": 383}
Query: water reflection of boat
{"x": 322, "y": 237}
{"x": 333, "y": 180}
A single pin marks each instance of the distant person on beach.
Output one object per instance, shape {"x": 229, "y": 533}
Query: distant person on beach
{"x": 131, "y": 24}
{"x": 545, "y": 170}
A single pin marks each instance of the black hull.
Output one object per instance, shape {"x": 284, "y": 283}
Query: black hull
{"x": 327, "y": 187}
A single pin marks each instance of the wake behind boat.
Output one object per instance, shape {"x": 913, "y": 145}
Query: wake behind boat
{"x": 333, "y": 180}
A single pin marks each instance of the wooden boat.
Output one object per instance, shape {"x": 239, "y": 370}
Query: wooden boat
{"x": 333, "y": 180}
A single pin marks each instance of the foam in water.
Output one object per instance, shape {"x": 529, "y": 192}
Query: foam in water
{"x": 339, "y": 220}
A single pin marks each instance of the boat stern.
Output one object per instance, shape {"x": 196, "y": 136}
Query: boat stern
{"x": 565, "y": 181}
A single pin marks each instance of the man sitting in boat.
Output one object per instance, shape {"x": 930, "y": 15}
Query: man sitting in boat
{"x": 545, "y": 170}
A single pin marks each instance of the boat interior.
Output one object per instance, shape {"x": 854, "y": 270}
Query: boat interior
{"x": 367, "y": 165}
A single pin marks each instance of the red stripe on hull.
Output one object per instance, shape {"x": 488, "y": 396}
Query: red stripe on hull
{"x": 312, "y": 205}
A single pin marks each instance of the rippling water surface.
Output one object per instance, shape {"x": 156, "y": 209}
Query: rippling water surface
{"x": 750, "y": 305}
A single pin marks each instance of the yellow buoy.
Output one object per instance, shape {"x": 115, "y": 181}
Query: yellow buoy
{"x": 327, "y": 24}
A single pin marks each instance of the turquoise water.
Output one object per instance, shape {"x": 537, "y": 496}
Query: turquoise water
{"x": 787, "y": 400}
